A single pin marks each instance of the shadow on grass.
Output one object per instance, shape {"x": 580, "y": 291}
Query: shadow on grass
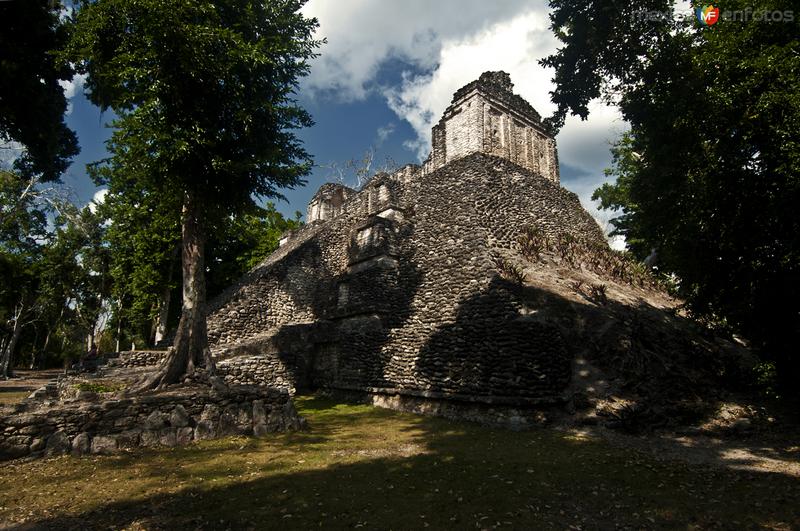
{"x": 364, "y": 467}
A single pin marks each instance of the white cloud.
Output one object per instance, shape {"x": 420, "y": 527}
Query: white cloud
{"x": 361, "y": 34}
{"x": 98, "y": 199}
{"x": 72, "y": 88}
{"x": 384, "y": 132}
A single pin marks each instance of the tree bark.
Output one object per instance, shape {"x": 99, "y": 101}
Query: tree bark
{"x": 8, "y": 351}
{"x": 119, "y": 322}
{"x": 163, "y": 311}
{"x": 191, "y": 341}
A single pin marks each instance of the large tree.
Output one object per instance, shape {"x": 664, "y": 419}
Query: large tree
{"x": 203, "y": 93}
{"x": 709, "y": 174}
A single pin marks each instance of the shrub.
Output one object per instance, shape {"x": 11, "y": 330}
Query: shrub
{"x": 598, "y": 293}
{"x": 509, "y": 271}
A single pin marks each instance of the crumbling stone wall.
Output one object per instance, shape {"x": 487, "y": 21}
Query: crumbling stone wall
{"x": 177, "y": 417}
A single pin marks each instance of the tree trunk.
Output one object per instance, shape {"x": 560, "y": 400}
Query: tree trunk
{"x": 8, "y": 351}
{"x": 119, "y": 323}
{"x": 34, "y": 351}
{"x": 191, "y": 341}
{"x": 163, "y": 314}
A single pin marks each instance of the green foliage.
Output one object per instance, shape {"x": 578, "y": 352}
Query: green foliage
{"x": 532, "y": 243}
{"x": 55, "y": 280}
{"x": 598, "y": 293}
{"x": 766, "y": 379}
{"x": 32, "y": 101}
{"x": 709, "y": 174}
{"x": 144, "y": 233}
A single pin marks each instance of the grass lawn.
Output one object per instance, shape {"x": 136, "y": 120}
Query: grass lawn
{"x": 362, "y": 467}
{"x": 12, "y": 396}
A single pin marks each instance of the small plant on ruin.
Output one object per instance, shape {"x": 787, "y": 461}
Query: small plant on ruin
{"x": 598, "y": 293}
{"x": 567, "y": 247}
{"x": 532, "y": 242}
{"x": 509, "y": 271}
{"x": 577, "y": 286}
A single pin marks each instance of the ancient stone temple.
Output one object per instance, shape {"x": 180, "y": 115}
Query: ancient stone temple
{"x": 393, "y": 291}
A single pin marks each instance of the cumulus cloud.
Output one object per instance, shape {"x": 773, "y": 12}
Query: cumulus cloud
{"x": 98, "y": 199}
{"x": 72, "y": 88}
{"x": 446, "y": 45}
{"x": 362, "y": 34}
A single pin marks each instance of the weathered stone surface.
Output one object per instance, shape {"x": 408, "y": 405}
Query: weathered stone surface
{"x": 81, "y": 444}
{"x": 205, "y": 429}
{"x": 158, "y": 419}
{"x": 57, "y": 443}
{"x": 179, "y": 418}
{"x": 102, "y": 444}
{"x": 38, "y": 444}
{"x": 129, "y": 438}
{"x": 184, "y": 436}
{"x": 167, "y": 437}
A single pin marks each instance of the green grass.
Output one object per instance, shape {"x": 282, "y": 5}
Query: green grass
{"x": 12, "y": 396}
{"x": 362, "y": 467}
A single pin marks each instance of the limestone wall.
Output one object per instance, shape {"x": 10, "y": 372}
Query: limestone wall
{"x": 170, "y": 418}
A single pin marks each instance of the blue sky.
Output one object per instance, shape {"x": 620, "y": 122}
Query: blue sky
{"x": 384, "y": 77}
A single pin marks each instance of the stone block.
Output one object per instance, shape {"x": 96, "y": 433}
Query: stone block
{"x": 129, "y": 438}
{"x": 179, "y": 418}
{"x": 205, "y": 429}
{"x": 156, "y": 420}
{"x": 167, "y": 437}
{"x": 13, "y": 451}
{"x": 149, "y": 438}
{"x": 81, "y": 444}
{"x": 38, "y": 444}
{"x": 103, "y": 444}
{"x": 184, "y": 436}
{"x": 57, "y": 443}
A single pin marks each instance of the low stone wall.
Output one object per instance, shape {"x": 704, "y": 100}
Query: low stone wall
{"x": 167, "y": 418}
{"x": 139, "y": 358}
